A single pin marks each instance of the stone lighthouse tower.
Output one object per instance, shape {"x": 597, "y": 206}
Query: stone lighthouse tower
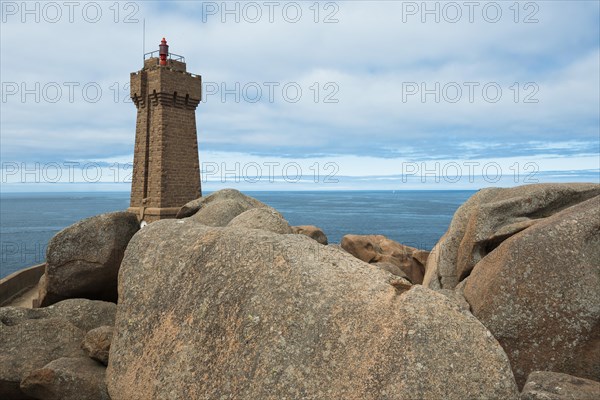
{"x": 166, "y": 171}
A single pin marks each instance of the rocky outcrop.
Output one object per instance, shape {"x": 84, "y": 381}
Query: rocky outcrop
{"x": 67, "y": 379}
{"x": 457, "y": 297}
{"x": 96, "y": 343}
{"x": 231, "y": 196}
{"x": 83, "y": 259}
{"x": 84, "y": 314}
{"x": 312, "y": 232}
{"x": 264, "y": 218}
{"x": 538, "y": 293}
{"x": 226, "y": 303}
{"x": 228, "y": 312}
{"x": 30, "y": 344}
{"x": 219, "y": 213}
{"x": 391, "y": 256}
{"x": 546, "y": 385}
{"x": 32, "y": 338}
{"x": 491, "y": 216}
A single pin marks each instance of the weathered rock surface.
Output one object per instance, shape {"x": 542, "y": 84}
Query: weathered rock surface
{"x": 31, "y": 338}
{"x": 246, "y": 203}
{"x": 538, "y": 293}
{"x": 96, "y": 343}
{"x": 546, "y": 385}
{"x": 29, "y": 344}
{"x": 220, "y": 313}
{"x": 83, "y": 259}
{"x": 491, "y": 216}
{"x": 379, "y": 250}
{"x": 67, "y": 379}
{"x": 391, "y": 268}
{"x": 457, "y": 297}
{"x": 265, "y": 218}
{"x": 336, "y": 246}
{"x": 84, "y": 314}
{"x": 219, "y": 213}
{"x": 312, "y": 232}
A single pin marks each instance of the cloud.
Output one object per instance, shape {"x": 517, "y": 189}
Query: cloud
{"x": 357, "y": 79}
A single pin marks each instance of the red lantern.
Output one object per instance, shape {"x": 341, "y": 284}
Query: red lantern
{"x": 163, "y": 51}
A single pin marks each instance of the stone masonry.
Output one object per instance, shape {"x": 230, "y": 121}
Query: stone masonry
{"x": 166, "y": 171}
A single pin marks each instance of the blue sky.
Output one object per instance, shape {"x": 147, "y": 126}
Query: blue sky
{"x": 389, "y": 90}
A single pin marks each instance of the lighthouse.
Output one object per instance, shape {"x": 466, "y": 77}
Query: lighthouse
{"x": 166, "y": 168}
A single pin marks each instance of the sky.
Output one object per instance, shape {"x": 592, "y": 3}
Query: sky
{"x": 306, "y": 95}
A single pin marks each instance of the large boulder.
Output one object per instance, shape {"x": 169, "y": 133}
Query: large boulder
{"x": 31, "y": 338}
{"x": 82, "y": 260}
{"x": 546, "y": 385}
{"x": 221, "y": 313}
{"x": 230, "y": 195}
{"x": 96, "y": 343}
{"x": 220, "y": 213}
{"x": 491, "y": 216}
{"x": 265, "y": 218}
{"x": 67, "y": 379}
{"x": 538, "y": 292}
{"x": 30, "y": 344}
{"x": 312, "y": 232}
{"x": 390, "y": 255}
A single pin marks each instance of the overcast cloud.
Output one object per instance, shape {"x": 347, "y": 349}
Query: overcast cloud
{"x": 520, "y": 86}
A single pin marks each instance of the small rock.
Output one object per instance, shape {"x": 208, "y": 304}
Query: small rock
{"x": 400, "y": 284}
{"x": 67, "y": 379}
{"x": 377, "y": 249}
{"x": 312, "y": 232}
{"x": 96, "y": 343}
{"x": 546, "y": 385}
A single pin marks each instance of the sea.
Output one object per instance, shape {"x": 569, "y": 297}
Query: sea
{"x": 415, "y": 218}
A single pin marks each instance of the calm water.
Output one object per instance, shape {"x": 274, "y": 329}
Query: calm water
{"x": 416, "y": 218}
